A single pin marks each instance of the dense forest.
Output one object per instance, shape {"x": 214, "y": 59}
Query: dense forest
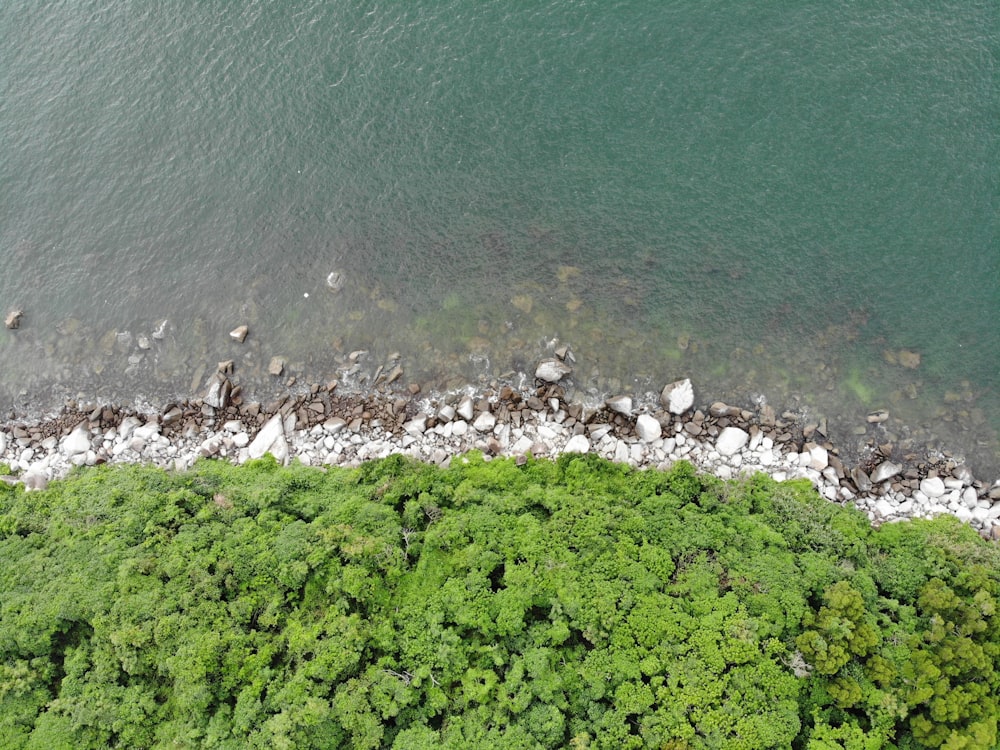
{"x": 575, "y": 603}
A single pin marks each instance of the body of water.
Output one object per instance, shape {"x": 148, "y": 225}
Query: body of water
{"x": 795, "y": 202}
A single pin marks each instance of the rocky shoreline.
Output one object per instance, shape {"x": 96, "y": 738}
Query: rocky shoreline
{"x": 330, "y": 424}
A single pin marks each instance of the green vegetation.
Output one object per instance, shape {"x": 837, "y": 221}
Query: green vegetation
{"x": 569, "y": 604}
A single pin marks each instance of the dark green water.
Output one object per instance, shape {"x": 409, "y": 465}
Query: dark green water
{"x": 772, "y": 198}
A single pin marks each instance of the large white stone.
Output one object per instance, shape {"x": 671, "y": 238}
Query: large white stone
{"x": 552, "y": 370}
{"x": 597, "y": 432}
{"x": 465, "y": 409}
{"x": 884, "y": 508}
{"x": 577, "y": 444}
{"x": 620, "y": 404}
{"x": 819, "y": 459}
{"x": 3, "y": 441}
{"x": 265, "y": 440}
{"x": 147, "y": 431}
{"x": 885, "y": 470}
{"x": 77, "y": 442}
{"x": 647, "y": 428}
{"x": 677, "y": 397}
{"x": 521, "y": 445}
{"x": 417, "y": 425}
{"x": 485, "y": 422}
{"x": 731, "y": 440}
{"x": 621, "y": 451}
{"x": 932, "y": 486}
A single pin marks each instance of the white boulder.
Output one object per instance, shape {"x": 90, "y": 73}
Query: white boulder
{"x": 552, "y": 370}
{"x": 647, "y": 428}
{"x": 731, "y": 440}
{"x": 485, "y": 422}
{"x": 620, "y": 404}
{"x": 885, "y": 470}
{"x": 268, "y": 438}
{"x": 577, "y": 444}
{"x": 819, "y": 459}
{"x": 932, "y": 487}
{"x": 884, "y": 508}
{"x": 417, "y": 425}
{"x": 77, "y": 442}
{"x": 465, "y": 409}
{"x": 677, "y": 397}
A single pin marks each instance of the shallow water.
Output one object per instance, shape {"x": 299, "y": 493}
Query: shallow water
{"x": 773, "y": 201}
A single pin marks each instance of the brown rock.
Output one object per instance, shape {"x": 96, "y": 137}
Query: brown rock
{"x": 277, "y": 366}
{"x": 13, "y": 319}
{"x": 239, "y": 333}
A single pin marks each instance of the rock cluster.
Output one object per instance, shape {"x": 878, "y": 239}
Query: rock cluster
{"x": 322, "y": 426}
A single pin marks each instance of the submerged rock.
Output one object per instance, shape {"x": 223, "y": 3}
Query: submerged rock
{"x": 13, "y": 319}
{"x": 160, "y": 332}
{"x": 908, "y": 359}
{"x": 335, "y": 281}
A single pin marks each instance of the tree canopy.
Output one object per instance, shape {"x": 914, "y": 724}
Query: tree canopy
{"x": 575, "y": 603}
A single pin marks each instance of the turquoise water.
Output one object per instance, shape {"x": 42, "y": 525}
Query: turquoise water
{"x": 773, "y": 198}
